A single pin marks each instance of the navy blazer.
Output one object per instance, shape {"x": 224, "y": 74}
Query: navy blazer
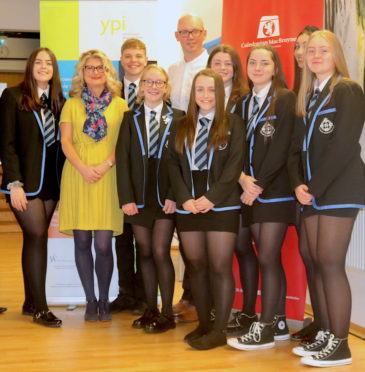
{"x": 132, "y": 156}
{"x": 22, "y": 146}
{"x": 267, "y": 152}
{"x": 224, "y": 168}
{"x": 325, "y": 153}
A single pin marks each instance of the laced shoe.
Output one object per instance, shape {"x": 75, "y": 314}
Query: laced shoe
{"x": 336, "y": 353}
{"x": 315, "y": 347}
{"x": 260, "y": 336}
{"x": 240, "y": 324}
{"x": 281, "y": 330}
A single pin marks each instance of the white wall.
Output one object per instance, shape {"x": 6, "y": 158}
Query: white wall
{"x": 20, "y": 15}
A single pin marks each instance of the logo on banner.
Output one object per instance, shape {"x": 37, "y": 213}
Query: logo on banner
{"x": 268, "y": 27}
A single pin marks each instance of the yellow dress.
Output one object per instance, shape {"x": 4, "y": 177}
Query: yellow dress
{"x": 83, "y": 205}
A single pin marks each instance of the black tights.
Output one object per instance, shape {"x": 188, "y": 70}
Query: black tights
{"x": 248, "y": 269}
{"x": 156, "y": 264}
{"x": 328, "y": 238}
{"x": 34, "y": 222}
{"x": 103, "y": 261}
{"x": 269, "y": 237}
{"x": 209, "y": 256}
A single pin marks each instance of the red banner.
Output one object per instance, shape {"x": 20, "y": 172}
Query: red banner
{"x": 276, "y": 22}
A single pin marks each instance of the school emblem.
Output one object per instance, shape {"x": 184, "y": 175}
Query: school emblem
{"x": 267, "y": 130}
{"x": 326, "y": 127}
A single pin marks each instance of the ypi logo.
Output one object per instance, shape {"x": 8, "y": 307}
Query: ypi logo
{"x": 268, "y": 27}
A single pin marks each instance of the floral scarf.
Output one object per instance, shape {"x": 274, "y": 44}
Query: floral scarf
{"x": 95, "y": 125}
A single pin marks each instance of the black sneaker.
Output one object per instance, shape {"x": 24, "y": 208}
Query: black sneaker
{"x": 240, "y": 324}
{"x": 336, "y": 353}
{"x": 260, "y": 336}
{"x": 315, "y": 347}
{"x": 281, "y": 330}
{"x": 307, "y": 334}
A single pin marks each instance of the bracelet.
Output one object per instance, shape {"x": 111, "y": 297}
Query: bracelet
{"x": 11, "y": 185}
{"x": 110, "y": 163}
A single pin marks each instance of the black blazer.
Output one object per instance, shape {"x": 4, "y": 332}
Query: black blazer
{"x": 267, "y": 152}
{"x": 325, "y": 152}
{"x": 22, "y": 147}
{"x": 223, "y": 173}
{"x": 132, "y": 156}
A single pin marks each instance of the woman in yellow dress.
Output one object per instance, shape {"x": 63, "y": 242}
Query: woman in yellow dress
{"x": 89, "y": 206}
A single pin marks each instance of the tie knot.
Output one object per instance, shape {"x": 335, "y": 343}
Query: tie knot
{"x": 153, "y": 114}
{"x": 204, "y": 122}
{"x": 132, "y": 86}
{"x": 255, "y": 100}
{"x": 44, "y": 99}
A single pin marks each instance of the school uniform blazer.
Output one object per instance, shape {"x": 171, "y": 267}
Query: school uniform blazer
{"x": 325, "y": 152}
{"x": 267, "y": 152}
{"x": 224, "y": 168}
{"x": 22, "y": 146}
{"x": 132, "y": 156}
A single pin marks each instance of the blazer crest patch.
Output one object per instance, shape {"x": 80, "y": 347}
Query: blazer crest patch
{"x": 326, "y": 126}
{"x": 267, "y": 130}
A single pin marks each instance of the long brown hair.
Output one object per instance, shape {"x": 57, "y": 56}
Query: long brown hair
{"x": 29, "y": 99}
{"x": 239, "y": 83}
{"x": 219, "y": 130}
{"x": 278, "y": 80}
{"x": 309, "y": 77}
{"x": 307, "y": 30}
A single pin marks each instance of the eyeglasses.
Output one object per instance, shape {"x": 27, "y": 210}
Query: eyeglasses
{"x": 157, "y": 83}
{"x": 193, "y": 33}
{"x": 90, "y": 69}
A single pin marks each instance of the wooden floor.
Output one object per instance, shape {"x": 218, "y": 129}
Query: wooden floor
{"x": 115, "y": 346}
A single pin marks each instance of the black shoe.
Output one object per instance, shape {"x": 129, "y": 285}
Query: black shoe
{"x": 139, "y": 308}
{"x": 260, "y": 336}
{"x": 240, "y": 324}
{"x": 281, "y": 330}
{"x": 336, "y": 353}
{"x": 121, "y": 303}
{"x": 91, "y": 313}
{"x": 146, "y": 318}
{"x": 322, "y": 338}
{"x": 46, "y": 318}
{"x": 3, "y": 309}
{"x": 104, "y": 311}
{"x": 306, "y": 334}
{"x": 208, "y": 341}
{"x": 161, "y": 323}
{"x": 28, "y": 309}
{"x": 197, "y": 333}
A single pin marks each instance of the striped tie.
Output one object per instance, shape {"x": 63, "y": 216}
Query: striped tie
{"x": 154, "y": 131}
{"x": 251, "y": 120}
{"x": 201, "y": 144}
{"x": 312, "y": 102}
{"x": 49, "y": 123}
{"x": 132, "y": 94}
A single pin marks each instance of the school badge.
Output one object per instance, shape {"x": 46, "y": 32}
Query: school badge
{"x": 326, "y": 127}
{"x": 267, "y": 130}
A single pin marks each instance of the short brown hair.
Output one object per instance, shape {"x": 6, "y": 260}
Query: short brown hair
{"x": 133, "y": 44}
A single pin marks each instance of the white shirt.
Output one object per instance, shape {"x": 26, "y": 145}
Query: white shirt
{"x": 322, "y": 85}
{"x": 147, "y": 117}
{"x": 181, "y": 75}
{"x": 126, "y": 83}
{"x": 227, "y": 92}
{"x": 40, "y": 92}
{"x": 209, "y": 116}
{"x": 260, "y": 97}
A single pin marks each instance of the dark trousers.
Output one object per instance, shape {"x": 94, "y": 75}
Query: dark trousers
{"x": 129, "y": 273}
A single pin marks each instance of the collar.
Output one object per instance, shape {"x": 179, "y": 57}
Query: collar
{"x": 157, "y": 109}
{"x": 41, "y": 91}
{"x": 322, "y": 85}
{"x": 228, "y": 90}
{"x": 263, "y": 92}
{"x": 127, "y": 82}
{"x": 209, "y": 115}
{"x": 200, "y": 60}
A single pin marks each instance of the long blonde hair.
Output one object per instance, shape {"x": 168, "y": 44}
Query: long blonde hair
{"x": 309, "y": 77}
{"x": 78, "y": 82}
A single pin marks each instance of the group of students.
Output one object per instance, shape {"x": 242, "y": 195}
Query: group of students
{"x": 246, "y": 160}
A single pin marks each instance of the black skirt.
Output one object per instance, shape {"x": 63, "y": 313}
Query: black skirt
{"x": 309, "y": 211}
{"x": 152, "y": 211}
{"x": 211, "y": 221}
